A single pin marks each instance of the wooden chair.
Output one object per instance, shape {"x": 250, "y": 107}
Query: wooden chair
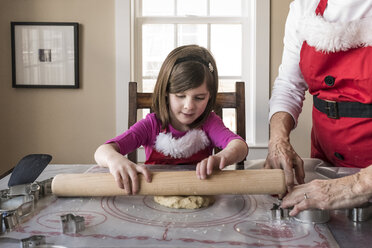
{"x": 236, "y": 100}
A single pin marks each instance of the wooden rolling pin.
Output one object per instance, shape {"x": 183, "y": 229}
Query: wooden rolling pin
{"x": 175, "y": 183}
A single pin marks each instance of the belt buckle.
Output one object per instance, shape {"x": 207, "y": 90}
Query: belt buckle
{"x": 332, "y": 109}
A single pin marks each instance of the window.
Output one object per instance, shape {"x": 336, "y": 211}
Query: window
{"x": 235, "y": 31}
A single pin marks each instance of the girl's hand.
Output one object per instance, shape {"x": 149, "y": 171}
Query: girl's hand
{"x": 205, "y": 167}
{"x": 125, "y": 174}
{"x": 235, "y": 151}
{"x": 123, "y": 170}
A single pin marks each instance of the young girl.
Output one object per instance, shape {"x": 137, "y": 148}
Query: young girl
{"x": 183, "y": 129}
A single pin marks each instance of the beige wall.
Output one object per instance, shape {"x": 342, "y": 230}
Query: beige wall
{"x": 70, "y": 123}
{"x": 300, "y": 137}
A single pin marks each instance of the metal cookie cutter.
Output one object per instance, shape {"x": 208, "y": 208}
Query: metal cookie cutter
{"x": 72, "y": 223}
{"x": 315, "y": 216}
{"x": 306, "y": 216}
{"x": 12, "y": 210}
{"x": 25, "y": 189}
{"x": 19, "y": 201}
{"x": 278, "y": 213}
{"x": 45, "y": 187}
{"x": 361, "y": 213}
{"x": 33, "y": 241}
{"x": 37, "y": 189}
{"x": 37, "y": 241}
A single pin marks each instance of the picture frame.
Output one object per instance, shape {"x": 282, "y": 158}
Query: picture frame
{"x": 45, "y": 54}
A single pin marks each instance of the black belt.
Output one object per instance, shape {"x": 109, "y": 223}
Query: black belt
{"x": 335, "y": 110}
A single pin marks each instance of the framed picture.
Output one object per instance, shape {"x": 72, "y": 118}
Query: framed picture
{"x": 45, "y": 54}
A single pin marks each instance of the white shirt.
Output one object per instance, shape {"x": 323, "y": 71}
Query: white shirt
{"x": 289, "y": 87}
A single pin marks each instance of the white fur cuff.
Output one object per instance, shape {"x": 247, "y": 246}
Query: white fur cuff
{"x": 189, "y": 144}
{"x": 333, "y": 37}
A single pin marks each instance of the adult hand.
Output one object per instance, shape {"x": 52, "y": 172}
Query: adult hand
{"x": 205, "y": 167}
{"x": 338, "y": 193}
{"x": 282, "y": 155}
{"x": 125, "y": 174}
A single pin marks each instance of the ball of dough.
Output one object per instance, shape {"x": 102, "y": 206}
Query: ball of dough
{"x": 187, "y": 202}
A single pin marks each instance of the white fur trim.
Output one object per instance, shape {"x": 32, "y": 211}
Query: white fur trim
{"x": 189, "y": 144}
{"x": 333, "y": 36}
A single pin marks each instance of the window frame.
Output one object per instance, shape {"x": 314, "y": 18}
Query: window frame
{"x": 256, "y": 60}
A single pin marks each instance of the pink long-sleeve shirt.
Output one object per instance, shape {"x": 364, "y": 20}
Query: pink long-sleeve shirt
{"x": 145, "y": 132}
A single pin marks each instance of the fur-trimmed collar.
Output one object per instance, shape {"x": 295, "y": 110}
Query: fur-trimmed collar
{"x": 183, "y": 147}
{"x": 332, "y": 36}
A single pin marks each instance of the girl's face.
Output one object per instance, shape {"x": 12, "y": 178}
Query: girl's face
{"x": 185, "y": 107}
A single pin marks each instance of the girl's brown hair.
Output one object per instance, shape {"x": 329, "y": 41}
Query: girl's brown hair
{"x": 186, "y": 67}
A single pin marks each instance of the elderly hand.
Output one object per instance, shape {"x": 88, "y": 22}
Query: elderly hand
{"x": 338, "y": 193}
{"x": 282, "y": 155}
